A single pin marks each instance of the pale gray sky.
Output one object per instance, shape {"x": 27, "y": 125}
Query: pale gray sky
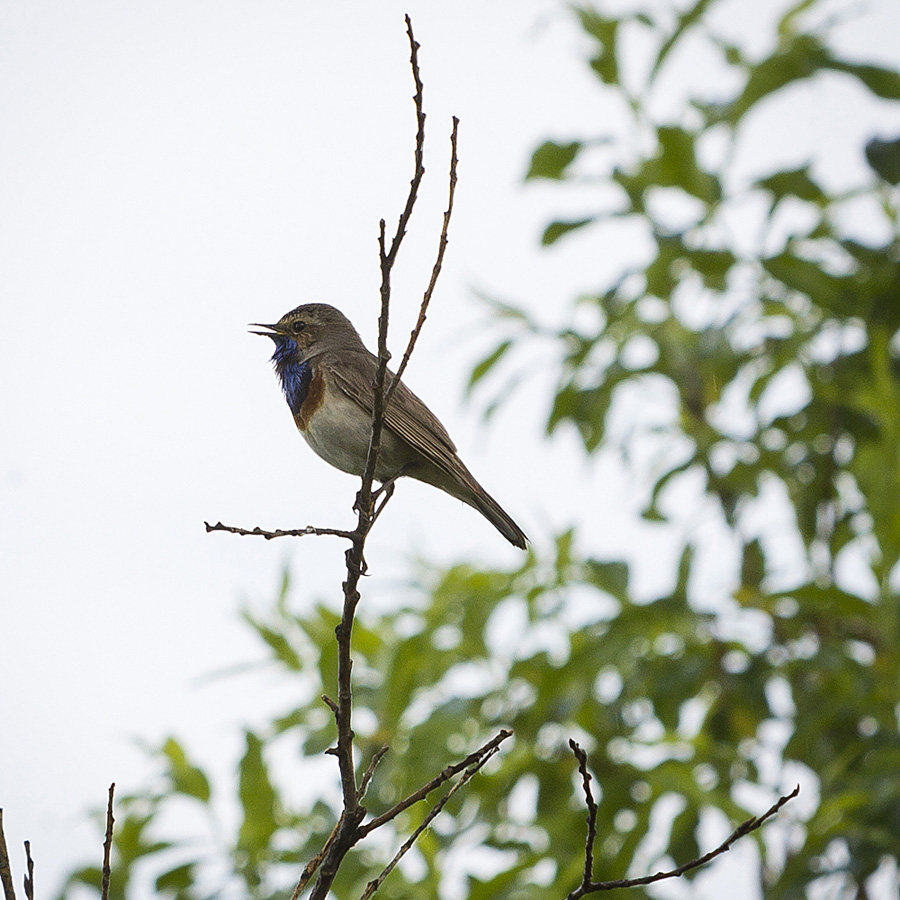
{"x": 171, "y": 172}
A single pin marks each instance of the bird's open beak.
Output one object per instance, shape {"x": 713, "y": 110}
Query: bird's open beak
{"x": 273, "y": 331}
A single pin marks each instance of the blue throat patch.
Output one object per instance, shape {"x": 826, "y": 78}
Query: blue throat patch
{"x": 294, "y": 376}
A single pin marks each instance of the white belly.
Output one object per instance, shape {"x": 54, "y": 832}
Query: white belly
{"x": 339, "y": 432}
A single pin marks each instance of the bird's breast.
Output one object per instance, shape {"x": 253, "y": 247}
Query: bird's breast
{"x": 334, "y": 425}
{"x": 307, "y": 402}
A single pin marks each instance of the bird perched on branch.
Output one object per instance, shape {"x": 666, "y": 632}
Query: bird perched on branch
{"x": 328, "y": 379}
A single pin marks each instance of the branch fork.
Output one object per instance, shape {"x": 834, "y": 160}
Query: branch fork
{"x": 589, "y": 886}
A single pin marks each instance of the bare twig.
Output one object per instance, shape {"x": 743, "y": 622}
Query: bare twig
{"x": 107, "y": 845}
{"x": 29, "y": 872}
{"x": 364, "y": 784}
{"x": 589, "y": 887}
{"x": 279, "y": 532}
{"x": 435, "y": 272}
{"x": 376, "y": 883}
{"x": 436, "y": 782}
{"x": 9, "y": 891}
{"x": 581, "y": 756}
{"x": 419, "y": 171}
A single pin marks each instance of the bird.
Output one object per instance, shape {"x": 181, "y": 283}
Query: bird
{"x": 328, "y": 379}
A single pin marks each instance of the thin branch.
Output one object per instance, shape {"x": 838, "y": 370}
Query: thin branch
{"x": 29, "y": 873}
{"x": 279, "y": 532}
{"x": 107, "y": 845}
{"x": 743, "y": 829}
{"x": 436, "y": 782}
{"x": 436, "y": 270}
{"x": 348, "y": 833}
{"x": 581, "y": 756}
{"x": 9, "y": 891}
{"x": 364, "y": 784}
{"x": 419, "y": 171}
{"x": 387, "y": 258}
{"x": 373, "y": 886}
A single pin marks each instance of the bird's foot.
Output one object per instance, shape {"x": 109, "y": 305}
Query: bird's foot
{"x": 388, "y": 486}
{"x": 388, "y": 490}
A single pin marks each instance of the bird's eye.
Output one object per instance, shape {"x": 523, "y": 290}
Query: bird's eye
{"x": 297, "y": 327}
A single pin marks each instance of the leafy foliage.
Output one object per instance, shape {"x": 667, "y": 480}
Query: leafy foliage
{"x": 786, "y": 382}
{"x": 782, "y": 362}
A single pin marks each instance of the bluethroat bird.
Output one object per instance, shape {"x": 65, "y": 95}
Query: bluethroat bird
{"x": 328, "y": 379}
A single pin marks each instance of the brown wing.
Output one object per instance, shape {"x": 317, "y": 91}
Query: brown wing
{"x": 410, "y": 419}
{"x": 406, "y": 415}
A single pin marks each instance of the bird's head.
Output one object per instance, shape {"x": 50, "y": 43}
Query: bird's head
{"x": 308, "y": 330}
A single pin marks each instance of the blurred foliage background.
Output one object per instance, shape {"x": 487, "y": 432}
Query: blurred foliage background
{"x": 750, "y": 368}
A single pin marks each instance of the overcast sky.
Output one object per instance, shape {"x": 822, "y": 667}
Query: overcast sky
{"x": 172, "y": 171}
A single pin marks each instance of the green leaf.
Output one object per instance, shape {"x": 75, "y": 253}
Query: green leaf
{"x": 884, "y": 158}
{"x": 676, "y": 166}
{"x": 186, "y": 778}
{"x": 498, "y": 885}
{"x": 683, "y": 844}
{"x": 486, "y": 364}
{"x": 259, "y": 802}
{"x": 277, "y": 642}
{"x": 686, "y": 20}
{"x": 793, "y": 183}
{"x": 586, "y": 409}
{"x": 177, "y": 880}
{"x": 753, "y": 564}
{"x": 799, "y": 59}
{"x": 787, "y": 24}
{"x": 605, "y": 31}
{"x": 551, "y": 159}
{"x": 652, "y": 512}
{"x": 91, "y": 876}
{"x": 713, "y": 266}
{"x": 660, "y": 275}
{"x": 884, "y": 83}
{"x": 503, "y": 309}
{"x": 555, "y": 230}
{"x": 611, "y": 577}
{"x": 833, "y": 292}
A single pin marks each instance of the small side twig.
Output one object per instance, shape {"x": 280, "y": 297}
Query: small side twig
{"x": 376, "y": 883}
{"x": 29, "y": 873}
{"x": 367, "y": 777}
{"x": 107, "y": 845}
{"x": 436, "y": 782}
{"x": 581, "y": 756}
{"x": 390, "y": 256}
{"x": 279, "y": 532}
{"x": 436, "y": 270}
{"x": 588, "y": 886}
{"x": 9, "y": 891}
